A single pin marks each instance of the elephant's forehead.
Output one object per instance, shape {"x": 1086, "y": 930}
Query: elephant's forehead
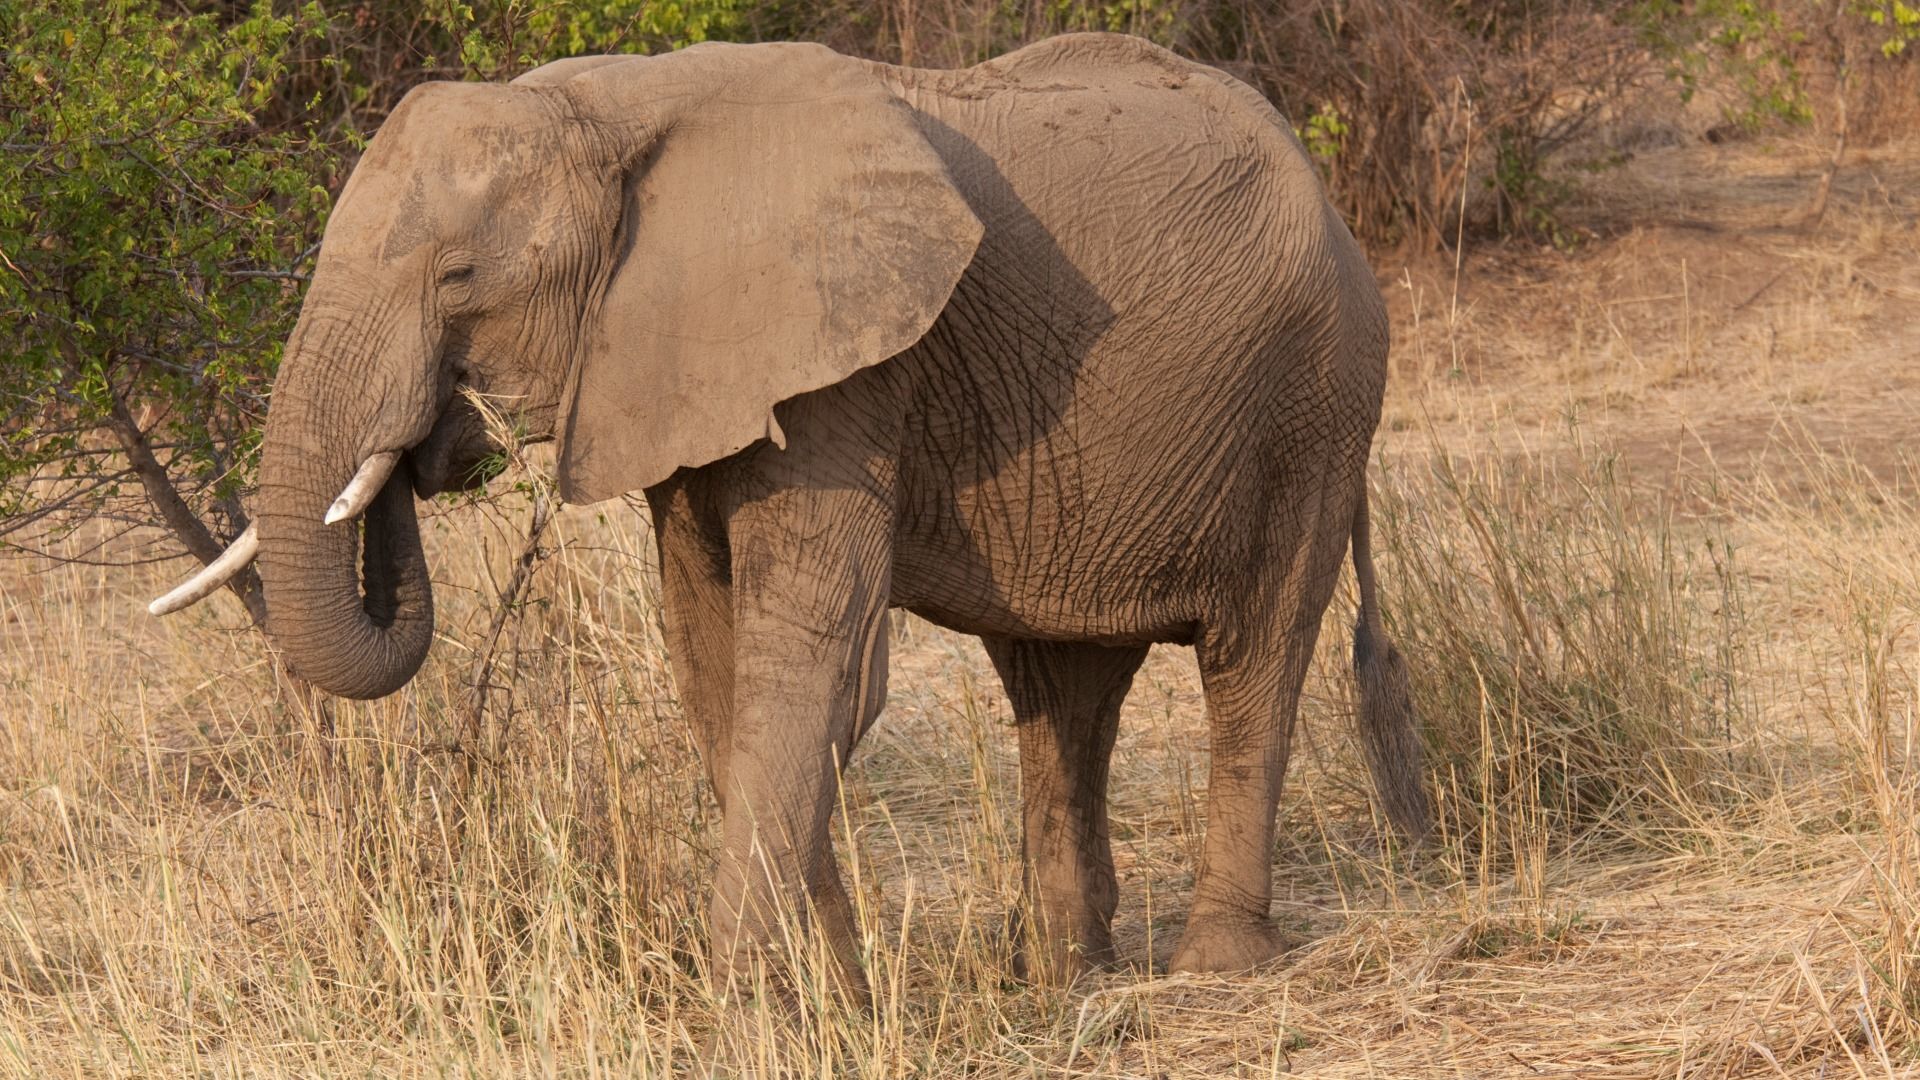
{"x": 426, "y": 180}
{"x": 451, "y": 128}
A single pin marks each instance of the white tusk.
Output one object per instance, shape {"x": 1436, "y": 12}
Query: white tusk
{"x": 201, "y": 585}
{"x": 363, "y": 487}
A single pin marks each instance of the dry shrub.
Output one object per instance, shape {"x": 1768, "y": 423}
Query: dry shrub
{"x": 1434, "y": 120}
{"x": 1580, "y": 658}
{"x": 1883, "y": 92}
{"x": 204, "y": 870}
{"x": 1882, "y": 732}
{"x": 1858, "y": 76}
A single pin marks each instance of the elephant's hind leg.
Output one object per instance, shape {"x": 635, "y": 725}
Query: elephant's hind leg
{"x": 1066, "y": 702}
{"x": 1252, "y": 670}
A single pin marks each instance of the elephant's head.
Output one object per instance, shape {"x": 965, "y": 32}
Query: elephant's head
{"x": 636, "y": 256}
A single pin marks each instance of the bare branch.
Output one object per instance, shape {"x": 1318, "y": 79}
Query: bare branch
{"x": 179, "y": 517}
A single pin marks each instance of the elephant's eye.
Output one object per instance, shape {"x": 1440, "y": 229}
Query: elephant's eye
{"x": 455, "y": 275}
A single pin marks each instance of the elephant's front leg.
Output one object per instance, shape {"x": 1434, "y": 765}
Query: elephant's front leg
{"x": 697, "y": 591}
{"x": 811, "y": 541}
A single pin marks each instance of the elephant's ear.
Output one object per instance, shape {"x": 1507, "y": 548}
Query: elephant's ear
{"x": 785, "y": 224}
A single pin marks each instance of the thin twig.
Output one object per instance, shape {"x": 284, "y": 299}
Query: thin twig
{"x": 502, "y": 432}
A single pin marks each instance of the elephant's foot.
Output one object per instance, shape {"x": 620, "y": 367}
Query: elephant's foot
{"x": 1224, "y": 942}
{"x": 779, "y": 979}
{"x": 792, "y": 951}
{"x": 762, "y": 1038}
{"x": 1053, "y": 958}
{"x": 768, "y": 1001}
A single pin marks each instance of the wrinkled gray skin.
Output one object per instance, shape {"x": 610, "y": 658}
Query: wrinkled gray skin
{"x": 1066, "y": 350}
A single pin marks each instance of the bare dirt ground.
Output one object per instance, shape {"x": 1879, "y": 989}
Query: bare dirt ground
{"x": 1704, "y": 324}
{"x": 195, "y": 881}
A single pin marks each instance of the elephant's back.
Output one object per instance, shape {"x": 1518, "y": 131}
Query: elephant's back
{"x": 1143, "y": 355}
{"x": 1118, "y": 146}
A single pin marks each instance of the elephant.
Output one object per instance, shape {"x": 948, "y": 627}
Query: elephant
{"x": 1066, "y": 350}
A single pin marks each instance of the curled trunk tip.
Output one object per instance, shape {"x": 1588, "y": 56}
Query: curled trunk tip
{"x": 355, "y": 634}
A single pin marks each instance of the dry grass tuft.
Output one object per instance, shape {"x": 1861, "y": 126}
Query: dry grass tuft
{"x": 1582, "y": 665}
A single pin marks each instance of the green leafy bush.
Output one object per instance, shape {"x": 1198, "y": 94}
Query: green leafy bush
{"x": 167, "y": 178}
{"x": 154, "y": 237}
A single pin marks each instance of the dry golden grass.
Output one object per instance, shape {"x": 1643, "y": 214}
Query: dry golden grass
{"x": 1650, "y": 533}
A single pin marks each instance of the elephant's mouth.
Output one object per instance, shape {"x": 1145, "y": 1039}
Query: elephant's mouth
{"x": 458, "y": 453}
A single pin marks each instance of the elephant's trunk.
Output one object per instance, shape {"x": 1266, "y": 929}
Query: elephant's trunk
{"x": 354, "y": 640}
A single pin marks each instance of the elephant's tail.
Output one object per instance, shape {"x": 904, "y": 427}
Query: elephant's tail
{"x": 1389, "y": 730}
